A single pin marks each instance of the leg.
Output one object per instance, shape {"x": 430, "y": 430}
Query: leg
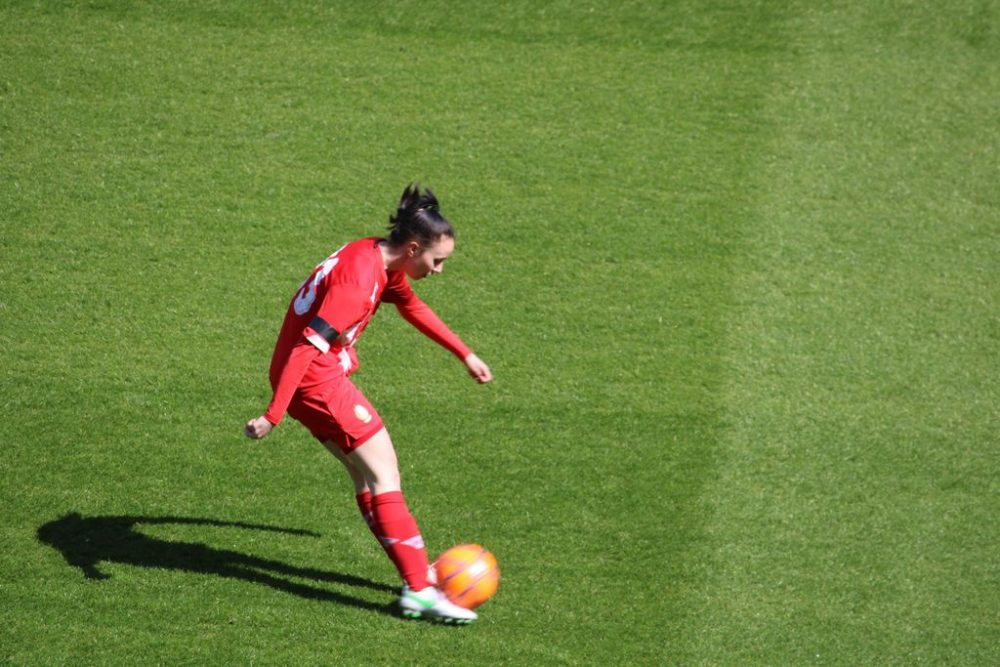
{"x": 347, "y": 421}
{"x": 351, "y": 430}
{"x": 340, "y": 417}
{"x": 375, "y": 461}
{"x": 362, "y": 494}
{"x": 395, "y": 526}
{"x": 360, "y": 485}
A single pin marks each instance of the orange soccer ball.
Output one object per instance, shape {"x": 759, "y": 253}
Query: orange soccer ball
{"x": 467, "y": 574}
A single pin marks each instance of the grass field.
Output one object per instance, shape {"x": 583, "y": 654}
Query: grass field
{"x": 734, "y": 265}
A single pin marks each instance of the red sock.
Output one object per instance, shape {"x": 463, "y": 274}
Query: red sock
{"x": 401, "y": 538}
{"x": 365, "y": 507}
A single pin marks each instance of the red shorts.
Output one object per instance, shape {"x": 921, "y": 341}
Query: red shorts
{"x": 337, "y": 413}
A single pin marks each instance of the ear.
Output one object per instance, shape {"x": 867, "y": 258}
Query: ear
{"x": 412, "y": 248}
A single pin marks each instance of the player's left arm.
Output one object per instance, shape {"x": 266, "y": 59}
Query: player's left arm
{"x": 426, "y": 321}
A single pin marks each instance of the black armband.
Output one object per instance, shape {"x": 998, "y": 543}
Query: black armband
{"x": 326, "y": 332}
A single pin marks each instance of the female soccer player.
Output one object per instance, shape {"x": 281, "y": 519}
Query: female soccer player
{"x": 314, "y": 356}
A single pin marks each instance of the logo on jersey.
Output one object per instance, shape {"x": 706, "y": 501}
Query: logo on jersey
{"x": 362, "y": 413}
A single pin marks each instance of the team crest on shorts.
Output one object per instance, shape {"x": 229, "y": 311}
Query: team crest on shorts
{"x": 362, "y": 413}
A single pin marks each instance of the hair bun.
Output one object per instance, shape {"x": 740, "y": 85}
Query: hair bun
{"x": 418, "y": 216}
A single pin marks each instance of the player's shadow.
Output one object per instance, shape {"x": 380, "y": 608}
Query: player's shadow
{"x": 85, "y": 542}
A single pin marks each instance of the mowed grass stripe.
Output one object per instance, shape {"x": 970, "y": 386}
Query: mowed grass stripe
{"x": 659, "y": 418}
{"x": 855, "y": 511}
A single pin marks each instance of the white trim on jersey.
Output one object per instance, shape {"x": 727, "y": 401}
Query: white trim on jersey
{"x": 345, "y": 360}
{"x": 319, "y": 342}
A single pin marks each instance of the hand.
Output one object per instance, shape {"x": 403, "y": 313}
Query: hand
{"x": 257, "y": 428}
{"x": 479, "y": 371}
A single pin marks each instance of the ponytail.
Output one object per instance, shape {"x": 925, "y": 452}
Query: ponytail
{"x": 418, "y": 217}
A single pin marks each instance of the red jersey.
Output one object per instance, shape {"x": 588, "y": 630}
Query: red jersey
{"x": 330, "y": 311}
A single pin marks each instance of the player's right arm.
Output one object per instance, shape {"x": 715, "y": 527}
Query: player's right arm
{"x": 297, "y": 364}
{"x": 341, "y": 307}
{"x": 295, "y": 367}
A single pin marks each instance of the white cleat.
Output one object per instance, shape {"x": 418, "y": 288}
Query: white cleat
{"x": 432, "y": 603}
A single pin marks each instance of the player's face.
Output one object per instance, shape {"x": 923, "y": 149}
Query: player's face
{"x": 427, "y": 260}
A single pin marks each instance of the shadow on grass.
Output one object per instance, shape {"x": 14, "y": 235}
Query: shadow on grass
{"x": 87, "y": 541}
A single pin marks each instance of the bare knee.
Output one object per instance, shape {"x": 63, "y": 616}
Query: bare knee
{"x": 384, "y": 480}
{"x": 376, "y": 461}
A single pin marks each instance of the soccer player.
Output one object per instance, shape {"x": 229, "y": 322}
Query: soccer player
{"x": 314, "y": 357}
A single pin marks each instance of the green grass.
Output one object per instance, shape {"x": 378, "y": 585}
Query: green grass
{"x": 733, "y": 264}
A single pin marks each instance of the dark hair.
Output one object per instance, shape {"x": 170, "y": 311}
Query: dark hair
{"x": 418, "y": 217}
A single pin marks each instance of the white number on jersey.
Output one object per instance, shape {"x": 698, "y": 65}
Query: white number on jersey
{"x": 307, "y": 292}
